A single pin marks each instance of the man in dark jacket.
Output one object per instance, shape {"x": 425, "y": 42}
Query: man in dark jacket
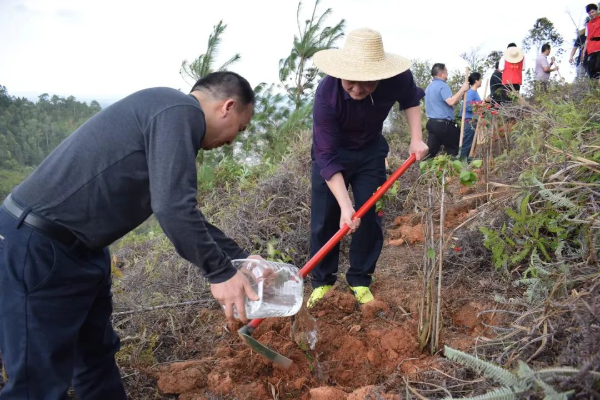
{"x": 579, "y": 61}
{"x": 497, "y": 90}
{"x": 133, "y": 159}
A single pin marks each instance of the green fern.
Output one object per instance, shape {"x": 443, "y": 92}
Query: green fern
{"x": 563, "y": 371}
{"x": 536, "y": 289}
{"x": 540, "y": 234}
{"x": 560, "y": 247}
{"x": 555, "y": 198}
{"x": 530, "y": 376}
{"x": 496, "y": 394}
{"x": 537, "y": 267}
{"x": 495, "y": 243}
{"x": 525, "y": 379}
{"x": 498, "y": 374}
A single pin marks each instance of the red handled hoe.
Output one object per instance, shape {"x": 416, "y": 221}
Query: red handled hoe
{"x": 246, "y": 331}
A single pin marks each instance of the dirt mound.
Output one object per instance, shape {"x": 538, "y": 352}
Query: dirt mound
{"x": 358, "y": 349}
{"x": 327, "y": 393}
{"x": 409, "y": 229}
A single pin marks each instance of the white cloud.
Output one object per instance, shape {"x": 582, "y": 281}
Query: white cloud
{"x": 111, "y": 48}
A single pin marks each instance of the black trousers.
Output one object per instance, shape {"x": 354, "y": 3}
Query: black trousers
{"x": 364, "y": 172}
{"x": 516, "y": 86}
{"x": 593, "y": 65}
{"x": 55, "y": 307}
{"x": 444, "y": 133}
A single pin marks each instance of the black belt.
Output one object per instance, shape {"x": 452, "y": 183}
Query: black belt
{"x": 40, "y": 224}
{"x": 444, "y": 121}
{"x": 595, "y": 39}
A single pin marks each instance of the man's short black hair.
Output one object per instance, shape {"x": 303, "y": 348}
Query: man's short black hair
{"x": 437, "y": 69}
{"x": 591, "y": 7}
{"x": 226, "y": 85}
{"x": 545, "y": 46}
{"x": 511, "y": 45}
{"x": 474, "y": 77}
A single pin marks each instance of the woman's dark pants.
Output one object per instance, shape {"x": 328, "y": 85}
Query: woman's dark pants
{"x": 364, "y": 173}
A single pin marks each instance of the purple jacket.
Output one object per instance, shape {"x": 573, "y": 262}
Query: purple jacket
{"x": 341, "y": 122}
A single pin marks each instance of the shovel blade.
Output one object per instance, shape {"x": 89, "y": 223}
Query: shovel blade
{"x": 263, "y": 350}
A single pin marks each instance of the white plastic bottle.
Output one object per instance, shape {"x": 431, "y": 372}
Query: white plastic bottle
{"x": 279, "y": 287}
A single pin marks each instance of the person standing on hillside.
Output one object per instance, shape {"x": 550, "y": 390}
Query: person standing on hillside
{"x": 497, "y": 90}
{"x": 512, "y": 65}
{"x": 579, "y": 61}
{"x": 135, "y": 158}
{"x": 439, "y": 107}
{"x": 351, "y": 104}
{"x": 470, "y": 122}
{"x": 543, "y": 68}
{"x": 592, "y": 44}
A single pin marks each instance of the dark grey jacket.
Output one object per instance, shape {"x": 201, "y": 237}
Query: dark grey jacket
{"x": 132, "y": 159}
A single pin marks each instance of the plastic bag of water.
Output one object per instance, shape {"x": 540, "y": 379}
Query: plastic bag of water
{"x": 279, "y": 287}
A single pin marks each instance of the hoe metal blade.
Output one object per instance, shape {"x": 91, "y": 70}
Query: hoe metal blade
{"x": 245, "y": 333}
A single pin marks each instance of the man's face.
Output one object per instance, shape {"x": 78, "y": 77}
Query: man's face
{"x": 230, "y": 121}
{"x": 443, "y": 75}
{"x": 593, "y": 14}
{"x": 359, "y": 90}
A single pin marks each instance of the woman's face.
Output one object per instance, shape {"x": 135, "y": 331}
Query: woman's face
{"x": 359, "y": 90}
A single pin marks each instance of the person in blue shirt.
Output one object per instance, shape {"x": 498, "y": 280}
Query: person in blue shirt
{"x": 439, "y": 107}
{"x": 470, "y": 123}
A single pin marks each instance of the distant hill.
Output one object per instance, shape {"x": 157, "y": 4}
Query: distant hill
{"x": 103, "y": 101}
{"x": 31, "y": 128}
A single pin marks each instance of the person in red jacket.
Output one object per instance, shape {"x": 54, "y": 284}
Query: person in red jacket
{"x": 592, "y": 44}
{"x": 512, "y": 65}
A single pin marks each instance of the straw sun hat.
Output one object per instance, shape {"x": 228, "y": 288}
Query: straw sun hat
{"x": 361, "y": 59}
{"x": 513, "y": 55}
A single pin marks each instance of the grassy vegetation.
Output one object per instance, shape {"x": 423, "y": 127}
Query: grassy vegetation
{"x": 11, "y": 178}
{"x": 542, "y": 236}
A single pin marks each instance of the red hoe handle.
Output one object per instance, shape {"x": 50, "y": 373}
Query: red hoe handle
{"x": 335, "y": 239}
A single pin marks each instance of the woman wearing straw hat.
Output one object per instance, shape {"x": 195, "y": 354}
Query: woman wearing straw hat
{"x": 350, "y": 106}
{"x": 512, "y": 65}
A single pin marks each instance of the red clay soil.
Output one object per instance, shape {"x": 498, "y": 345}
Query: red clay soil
{"x": 357, "y": 348}
{"x": 409, "y": 228}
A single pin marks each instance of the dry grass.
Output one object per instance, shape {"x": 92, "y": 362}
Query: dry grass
{"x": 563, "y": 330}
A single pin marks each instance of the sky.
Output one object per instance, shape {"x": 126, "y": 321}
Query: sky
{"x": 107, "y": 49}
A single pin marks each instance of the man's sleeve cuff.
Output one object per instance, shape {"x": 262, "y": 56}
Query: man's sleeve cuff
{"x": 241, "y": 255}
{"x": 223, "y": 275}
